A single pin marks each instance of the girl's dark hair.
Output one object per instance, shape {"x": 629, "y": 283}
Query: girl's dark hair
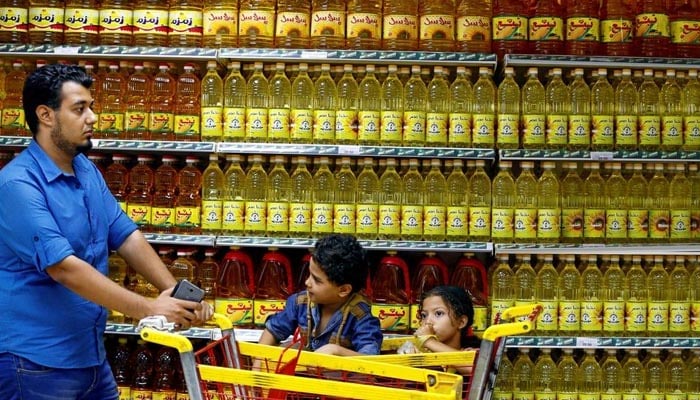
{"x": 459, "y": 304}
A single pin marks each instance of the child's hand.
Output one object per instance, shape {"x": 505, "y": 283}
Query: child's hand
{"x": 332, "y": 349}
{"x": 425, "y": 329}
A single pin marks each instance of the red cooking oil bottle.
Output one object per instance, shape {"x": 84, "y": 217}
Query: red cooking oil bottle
{"x": 582, "y": 28}
{"x": 430, "y": 272}
{"x": 274, "y": 285}
{"x": 235, "y": 288}
{"x": 616, "y": 26}
{"x": 390, "y": 291}
{"x": 546, "y": 28}
{"x": 685, "y": 29}
{"x": 302, "y": 272}
{"x": 651, "y": 29}
{"x": 510, "y": 25}
{"x": 470, "y": 274}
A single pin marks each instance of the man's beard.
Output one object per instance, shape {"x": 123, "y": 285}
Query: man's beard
{"x": 60, "y": 141}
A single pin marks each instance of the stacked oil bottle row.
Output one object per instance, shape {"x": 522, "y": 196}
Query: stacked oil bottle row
{"x": 650, "y": 296}
{"x": 614, "y": 27}
{"x": 249, "y": 291}
{"x": 599, "y": 374}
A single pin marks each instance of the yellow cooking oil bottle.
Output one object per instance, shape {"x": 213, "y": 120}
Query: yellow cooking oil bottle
{"x": 219, "y": 23}
{"x": 636, "y": 305}
{"x": 364, "y": 25}
{"x": 212, "y": 197}
{"x": 412, "y": 203}
{"x": 591, "y": 297}
{"x": 572, "y": 204}
{"x": 212, "y": 106}
{"x": 484, "y": 109}
{"x": 671, "y": 111}
{"x": 508, "y": 109}
{"x": 300, "y": 199}
{"x": 525, "y": 214}
{"x": 233, "y": 207}
{"x": 691, "y": 112}
{"x": 637, "y": 209}
{"x": 679, "y": 299}
{"x": 680, "y": 192}
{"x": 280, "y": 101}
{"x": 235, "y": 98}
{"x": 649, "y": 118}
{"x": 391, "y": 127}
{"x": 479, "y": 203}
{"x": 369, "y": 109}
{"x": 602, "y": 113}
{"x": 415, "y": 97}
{"x": 277, "y": 198}
{"x": 544, "y": 375}
{"x": 546, "y": 288}
{"x": 345, "y": 200}
{"x": 136, "y": 117}
{"x": 614, "y": 297}
{"x": 323, "y": 199}
{"x": 461, "y": 102}
{"x": 580, "y": 115}
{"x": 594, "y": 205}
{"x": 524, "y": 282}
{"x": 325, "y": 104}
{"x": 616, "y": 206}
{"x": 569, "y": 298}
{"x": 590, "y": 376}
{"x": 328, "y": 20}
{"x": 346, "y": 114}
{"x": 367, "y": 199}
{"x": 548, "y": 205}
{"x": 256, "y": 23}
{"x": 533, "y": 104}
{"x": 437, "y": 109}
{"x": 557, "y": 109}
{"x": 503, "y": 204}
{"x": 502, "y": 291}
{"x": 523, "y": 367}
{"x": 256, "y": 112}
{"x": 292, "y": 24}
{"x": 390, "y": 196}
{"x": 302, "y": 115}
{"x": 457, "y": 223}
{"x": 694, "y": 179}
{"x": 658, "y": 290}
{"x": 434, "y": 208}
{"x": 626, "y": 112}
{"x": 255, "y": 194}
{"x": 659, "y": 202}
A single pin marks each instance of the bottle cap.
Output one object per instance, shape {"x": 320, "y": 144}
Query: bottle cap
{"x": 532, "y": 71}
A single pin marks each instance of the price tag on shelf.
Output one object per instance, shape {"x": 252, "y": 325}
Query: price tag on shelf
{"x": 348, "y": 150}
{"x": 313, "y": 54}
{"x": 586, "y": 342}
{"x": 602, "y": 155}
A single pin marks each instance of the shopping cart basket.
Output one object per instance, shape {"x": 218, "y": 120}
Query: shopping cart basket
{"x": 222, "y": 370}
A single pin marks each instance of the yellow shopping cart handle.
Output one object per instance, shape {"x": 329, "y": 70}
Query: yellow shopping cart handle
{"x": 521, "y": 311}
{"x": 179, "y": 342}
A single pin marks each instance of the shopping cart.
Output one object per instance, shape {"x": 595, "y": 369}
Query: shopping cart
{"x": 223, "y": 370}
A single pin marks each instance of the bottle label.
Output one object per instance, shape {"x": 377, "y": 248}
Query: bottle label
{"x": 212, "y": 122}
{"x": 277, "y": 216}
{"x": 659, "y": 224}
{"x": 139, "y": 213}
{"x": 302, "y": 125}
{"x": 124, "y": 392}
{"x": 300, "y": 218}
{"x": 414, "y": 126}
{"x": 234, "y": 123}
{"x": 691, "y": 133}
{"x": 279, "y": 124}
{"x": 616, "y": 30}
{"x": 437, "y": 26}
{"x": 635, "y": 316}
{"x": 328, "y": 23}
{"x": 162, "y": 218}
{"x": 238, "y": 311}
{"x": 116, "y": 21}
{"x": 111, "y": 124}
{"x": 255, "y": 216}
{"x": 82, "y": 20}
{"x": 263, "y": 309}
{"x": 502, "y": 223}
{"x": 557, "y": 126}
{"x": 594, "y": 223}
{"x": 603, "y": 130}
{"x": 638, "y": 224}
{"x": 367, "y": 222}
{"x": 322, "y": 218}
{"x": 392, "y": 317}
{"x": 695, "y": 223}
{"x": 614, "y": 316}
{"x": 400, "y": 27}
{"x": 136, "y": 120}
{"x": 525, "y": 223}
{"x": 671, "y": 130}
{"x": 292, "y": 24}
{"x": 233, "y": 213}
{"x": 483, "y": 129}
{"x": 481, "y": 318}
{"x": 633, "y": 396}
{"x": 510, "y": 28}
{"x": 457, "y": 222}
{"x": 658, "y": 317}
{"x": 324, "y": 125}
{"x": 582, "y": 29}
{"x": 548, "y": 319}
{"x": 150, "y": 22}
{"x": 507, "y": 129}
{"x": 522, "y": 395}
{"x": 46, "y": 19}
{"x": 626, "y": 130}
{"x": 13, "y": 19}
{"x": 256, "y": 123}
{"x": 215, "y": 22}
{"x": 695, "y": 317}
{"x": 572, "y": 223}
{"x": 211, "y": 215}
{"x": 187, "y": 217}
{"x": 567, "y": 396}
{"x": 569, "y": 316}
{"x": 368, "y": 130}
{"x": 548, "y": 223}
{"x": 651, "y": 25}
{"x": 679, "y": 317}
{"x": 589, "y": 396}
{"x": 616, "y": 224}
{"x": 545, "y": 395}
{"x": 498, "y": 306}
{"x": 344, "y": 218}
{"x": 533, "y": 129}
{"x": 499, "y": 394}
{"x": 693, "y": 396}
{"x": 591, "y": 312}
{"x": 473, "y": 28}
{"x": 685, "y": 32}
{"x": 186, "y": 126}
{"x": 364, "y": 25}
{"x": 436, "y": 128}
{"x": 460, "y": 129}
{"x": 164, "y": 395}
{"x": 680, "y": 224}
{"x": 546, "y": 28}
{"x": 346, "y": 126}
{"x": 415, "y": 316}
{"x": 389, "y": 220}
{"x": 434, "y": 221}
{"x": 391, "y": 126}
{"x": 141, "y": 394}
{"x": 411, "y": 220}
{"x": 13, "y": 118}
{"x": 257, "y": 22}
{"x": 480, "y": 221}
{"x": 579, "y": 129}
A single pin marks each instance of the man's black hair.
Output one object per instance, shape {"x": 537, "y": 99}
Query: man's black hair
{"x": 343, "y": 260}
{"x": 43, "y": 87}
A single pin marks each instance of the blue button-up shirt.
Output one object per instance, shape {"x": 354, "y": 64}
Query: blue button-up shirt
{"x": 47, "y": 215}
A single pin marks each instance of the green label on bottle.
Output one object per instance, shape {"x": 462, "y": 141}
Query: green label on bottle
{"x": 557, "y": 130}
{"x": 211, "y": 215}
{"x": 649, "y": 130}
{"x": 510, "y": 28}
{"x": 594, "y": 223}
{"x": 614, "y": 316}
{"x": 322, "y": 218}
{"x": 300, "y": 218}
{"x": 479, "y": 221}
{"x": 652, "y": 25}
{"x": 139, "y": 213}
{"x": 411, "y": 220}
{"x": 569, "y": 316}
{"x": 278, "y": 128}
{"x": 112, "y": 124}
{"x": 391, "y": 126}
{"x": 591, "y": 316}
{"x": 483, "y": 129}
{"x": 635, "y": 316}
{"x": 533, "y": 129}
{"x": 302, "y": 125}
{"x": 389, "y": 220}
{"x": 659, "y": 224}
{"x": 457, "y": 222}
{"x": 238, "y": 310}
{"x": 14, "y": 118}
{"x": 186, "y": 127}
{"x": 548, "y": 223}
{"x": 547, "y": 321}
{"x": 162, "y": 218}
{"x": 436, "y": 128}
{"x": 507, "y": 129}
{"x": 460, "y": 130}
{"x": 366, "y": 223}
{"x": 658, "y": 317}
{"x": 572, "y": 223}
{"x": 414, "y": 127}
{"x": 233, "y": 214}
{"x": 637, "y": 224}
{"x": 546, "y": 28}
{"x": 672, "y": 130}
{"x": 434, "y": 221}
{"x": 626, "y": 130}
{"x": 187, "y": 217}
{"x": 680, "y": 224}
{"x": 277, "y": 216}
{"x": 234, "y": 124}
{"x": 679, "y": 318}
{"x": 579, "y": 130}
{"x": 344, "y": 218}
{"x": 582, "y": 29}
{"x": 324, "y": 126}
{"x": 525, "y": 223}
{"x": 369, "y": 124}
{"x": 255, "y": 216}
{"x": 502, "y": 223}
{"x": 603, "y": 130}
{"x": 616, "y": 224}
{"x": 346, "y": 126}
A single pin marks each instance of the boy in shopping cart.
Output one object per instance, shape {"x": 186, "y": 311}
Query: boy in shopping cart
{"x": 334, "y": 318}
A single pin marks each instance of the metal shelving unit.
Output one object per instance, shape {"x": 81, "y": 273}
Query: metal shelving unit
{"x": 587, "y": 62}
{"x": 245, "y": 335}
{"x": 585, "y": 155}
{"x": 686, "y": 249}
{"x": 602, "y": 342}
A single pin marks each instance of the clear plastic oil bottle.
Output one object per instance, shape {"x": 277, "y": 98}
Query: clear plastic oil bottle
{"x": 602, "y": 113}
{"x": 235, "y": 101}
{"x": 461, "y": 104}
{"x": 533, "y": 105}
{"x": 212, "y": 197}
{"x": 391, "y": 126}
{"x": 525, "y": 215}
{"x": 323, "y": 199}
{"x": 257, "y": 106}
{"x": 457, "y": 204}
{"x": 116, "y": 21}
{"x": 400, "y": 25}
{"x": 256, "y": 23}
{"x": 14, "y": 27}
{"x": 626, "y": 111}
{"x": 280, "y": 103}
{"x": 390, "y": 197}
{"x": 220, "y": 23}
{"x": 364, "y": 24}
{"x": 300, "y": 200}
{"x": 233, "y": 205}
{"x": 436, "y": 31}
{"x": 415, "y": 96}
{"x": 580, "y": 117}
{"x": 649, "y": 118}
{"x": 366, "y": 223}
{"x": 479, "y": 204}
{"x": 212, "y": 104}
{"x": 503, "y": 204}
{"x": 572, "y": 204}
{"x": 473, "y": 31}
{"x": 328, "y": 21}
{"x": 325, "y": 105}
{"x": 302, "y": 107}
{"x": 293, "y": 24}
{"x": 434, "y": 210}
{"x": 557, "y": 109}
{"x": 508, "y": 109}
{"x": 255, "y": 195}
{"x": 277, "y": 198}
{"x": 548, "y": 205}
{"x": 671, "y": 111}
{"x": 346, "y": 124}
{"x": 483, "y": 118}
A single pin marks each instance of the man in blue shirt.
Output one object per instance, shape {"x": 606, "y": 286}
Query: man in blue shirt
{"x": 58, "y": 222}
{"x": 333, "y": 316}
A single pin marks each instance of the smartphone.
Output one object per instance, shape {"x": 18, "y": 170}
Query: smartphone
{"x": 186, "y": 290}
